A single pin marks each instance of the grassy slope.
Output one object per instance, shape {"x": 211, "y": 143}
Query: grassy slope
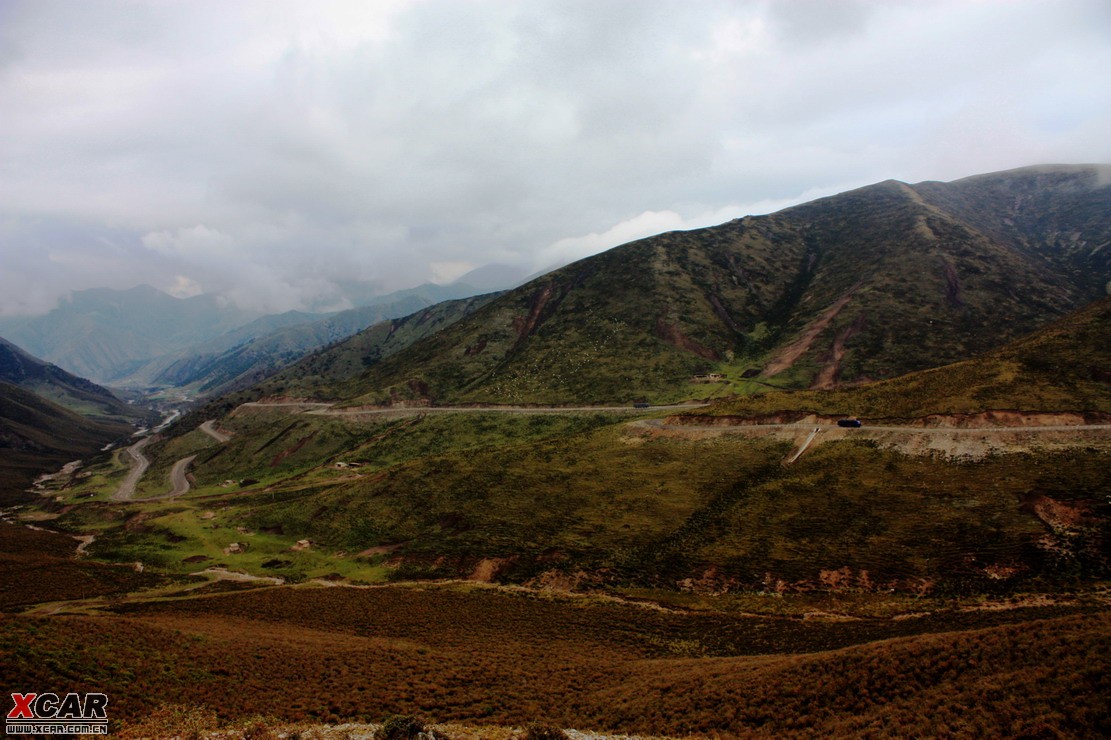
{"x": 489, "y": 658}
{"x": 325, "y": 372}
{"x": 1064, "y": 367}
{"x": 587, "y": 499}
{"x": 607, "y": 328}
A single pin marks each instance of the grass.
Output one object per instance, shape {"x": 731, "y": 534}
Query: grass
{"x": 584, "y": 499}
{"x": 1062, "y": 368}
{"x": 481, "y": 657}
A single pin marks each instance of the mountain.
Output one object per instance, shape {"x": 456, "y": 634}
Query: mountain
{"x": 103, "y": 333}
{"x": 142, "y": 337}
{"x": 869, "y": 284}
{"x": 364, "y": 294}
{"x": 82, "y": 396}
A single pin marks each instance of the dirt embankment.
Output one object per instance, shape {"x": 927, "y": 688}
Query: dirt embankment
{"x": 982, "y": 420}
{"x": 1002, "y": 418}
{"x": 787, "y": 356}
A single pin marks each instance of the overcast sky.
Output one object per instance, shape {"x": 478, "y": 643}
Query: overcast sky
{"x": 269, "y": 151}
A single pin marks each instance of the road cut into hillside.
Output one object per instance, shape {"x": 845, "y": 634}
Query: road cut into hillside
{"x": 957, "y": 436}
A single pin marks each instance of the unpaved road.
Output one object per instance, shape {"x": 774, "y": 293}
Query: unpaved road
{"x": 179, "y": 483}
{"x": 178, "y": 479}
{"x": 139, "y": 465}
{"x": 209, "y": 428}
{"x": 326, "y": 409}
{"x": 950, "y": 442}
{"x": 865, "y": 430}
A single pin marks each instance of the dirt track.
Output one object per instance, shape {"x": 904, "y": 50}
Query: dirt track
{"x": 178, "y": 478}
{"x": 209, "y": 428}
{"x": 327, "y": 409}
{"x": 139, "y": 465}
{"x": 952, "y": 442}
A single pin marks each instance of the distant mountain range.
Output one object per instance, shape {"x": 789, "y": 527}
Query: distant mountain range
{"x": 143, "y": 338}
{"x": 864, "y": 285}
{"x": 251, "y": 352}
{"x": 102, "y": 333}
{"x": 325, "y": 371}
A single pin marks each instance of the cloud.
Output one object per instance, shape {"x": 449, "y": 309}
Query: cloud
{"x": 184, "y": 287}
{"x": 649, "y": 223}
{"x": 197, "y": 242}
{"x": 279, "y": 152}
{"x": 446, "y": 272}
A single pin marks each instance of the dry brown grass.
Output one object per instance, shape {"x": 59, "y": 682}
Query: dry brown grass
{"x": 482, "y": 657}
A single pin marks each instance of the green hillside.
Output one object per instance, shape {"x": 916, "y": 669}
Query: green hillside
{"x": 1064, "y": 367}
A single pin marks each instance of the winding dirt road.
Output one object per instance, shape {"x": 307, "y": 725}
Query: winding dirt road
{"x": 179, "y": 474}
{"x": 139, "y": 465}
{"x": 178, "y": 479}
{"x": 209, "y": 428}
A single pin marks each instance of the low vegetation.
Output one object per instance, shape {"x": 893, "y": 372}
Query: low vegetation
{"x": 484, "y": 657}
{"x": 1062, "y": 368}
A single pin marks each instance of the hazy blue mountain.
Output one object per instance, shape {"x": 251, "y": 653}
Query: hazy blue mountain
{"x": 102, "y": 333}
{"x": 245, "y": 355}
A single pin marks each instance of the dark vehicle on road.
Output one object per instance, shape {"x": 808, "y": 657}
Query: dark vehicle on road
{"x": 640, "y": 405}
{"x": 848, "y": 422}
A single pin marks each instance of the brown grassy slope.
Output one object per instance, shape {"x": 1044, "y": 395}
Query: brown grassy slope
{"x": 1065, "y": 367}
{"x": 38, "y": 566}
{"x": 494, "y": 658}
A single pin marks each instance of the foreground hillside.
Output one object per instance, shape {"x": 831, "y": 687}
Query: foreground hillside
{"x": 868, "y": 284}
{"x": 486, "y": 658}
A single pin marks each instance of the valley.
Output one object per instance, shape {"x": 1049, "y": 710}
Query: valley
{"x": 618, "y": 498}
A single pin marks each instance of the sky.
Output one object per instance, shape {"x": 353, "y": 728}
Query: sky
{"x": 277, "y": 153}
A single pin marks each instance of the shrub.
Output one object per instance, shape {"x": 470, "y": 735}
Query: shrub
{"x": 537, "y": 731}
{"x": 406, "y": 727}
